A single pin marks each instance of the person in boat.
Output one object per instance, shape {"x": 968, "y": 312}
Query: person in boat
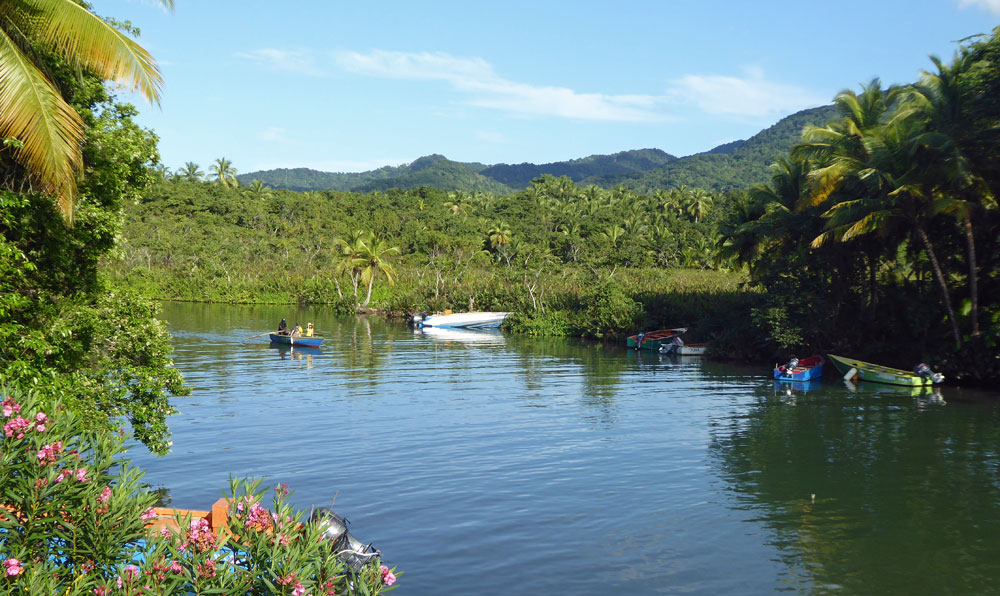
{"x": 309, "y": 329}
{"x": 282, "y": 327}
{"x": 297, "y": 330}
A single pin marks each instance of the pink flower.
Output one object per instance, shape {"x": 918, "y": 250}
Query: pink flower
{"x": 299, "y": 589}
{"x": 175, "y": 567}
{"x": 105, "y": 495}
{"x": 102, "y": 590}
{"x": 387, "y": 577}
{"x": 149, "y": 513}
{"x": 9, "y": 407}
{"x": 81, "y": 475}
{"x": 62, "y": 475}
{"x": 16, "y": 427}
{"x": 13, "y": 567}
{"x": 282, "y": 488}
{"x": 40, "y": 420}
{"x": 165, "y": 532}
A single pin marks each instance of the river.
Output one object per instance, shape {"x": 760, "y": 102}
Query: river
{"x": 492, "y": 464}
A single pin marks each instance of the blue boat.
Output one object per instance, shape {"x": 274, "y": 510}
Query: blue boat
{"x": 288, "y": 340}
{"x": 800, "y": 370}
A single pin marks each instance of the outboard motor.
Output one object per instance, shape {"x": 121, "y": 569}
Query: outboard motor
{"x": 924, "y": 371}
{"x": 672, "y": 348}
{"x": 638, "y": 341}
{"x": 351, "y": 552}
{"x": 790, "y": 365}
{"x": 416, "y": 318}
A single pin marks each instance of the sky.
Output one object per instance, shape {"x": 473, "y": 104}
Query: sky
{"x": 352, "y": 86}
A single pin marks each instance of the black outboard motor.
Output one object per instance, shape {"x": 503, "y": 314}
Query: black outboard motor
{"x": 924, "y": 371}
{"x": 351, "y": 552}
{"x": 638, "y": 341}
{"x": 790, "y": 365}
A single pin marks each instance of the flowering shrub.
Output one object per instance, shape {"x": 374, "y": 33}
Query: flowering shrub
{"x": 73, "y": 520}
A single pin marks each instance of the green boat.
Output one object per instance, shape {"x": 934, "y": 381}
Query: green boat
{"x": 653, "y": 339}
{"x": 866, "y": 371}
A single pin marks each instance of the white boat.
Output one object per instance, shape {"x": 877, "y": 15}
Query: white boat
{"x": 678, "y": 348}
{"x": 462, "y": 320}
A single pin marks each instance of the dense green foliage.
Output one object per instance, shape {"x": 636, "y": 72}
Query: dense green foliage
{"x": 538, "y": 253}
{"x": 62, "y": 331}
{"x": 879, "y": 233}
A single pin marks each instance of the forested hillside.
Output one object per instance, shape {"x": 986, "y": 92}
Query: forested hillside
{"x": 519, "y": 176}
{"x": 728, "y": 167}
{"x": 734, "y": 165}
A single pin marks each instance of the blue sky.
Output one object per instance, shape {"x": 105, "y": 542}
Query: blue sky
{"x": 339, "y": 86}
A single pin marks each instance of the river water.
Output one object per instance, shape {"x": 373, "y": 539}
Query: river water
{"x": 491, "y": 464}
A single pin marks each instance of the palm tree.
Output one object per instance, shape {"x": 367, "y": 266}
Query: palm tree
{"x": 458, "y": 205}
{"x": 699, "y": 204}
{"x": 224, "y": 172}
{"x": 499, "y": 235}
{"x": 350, "y": 261}
{"x": 374, "y": 255}
{"x": 49, "y": 131}
{"x": 259, "y": 190}
{"x": 937, "y": 101}
{"x": 882, "y": 186}
{"x": 191, "y": 172}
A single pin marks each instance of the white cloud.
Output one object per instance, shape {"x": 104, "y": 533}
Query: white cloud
{"x": 476, "y": 77}
{"x": 292, "y": 61}
{"x": 751, "y": 95}
{"x": 988, "y": 5}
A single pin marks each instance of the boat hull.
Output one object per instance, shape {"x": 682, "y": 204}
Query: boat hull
{"x": 654, "y": 339}
{"x": 465, "y": 320}
{"x": 808, "y": 369}
{"x": 875, "y": 373}
{"x": 287, "y": 340}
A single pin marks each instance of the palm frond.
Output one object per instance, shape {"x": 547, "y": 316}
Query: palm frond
{"x": 86, "y": 39}
{"x": 32, "y": 111}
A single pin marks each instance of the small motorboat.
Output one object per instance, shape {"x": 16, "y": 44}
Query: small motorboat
{"x": 301, "y": 341}
{"x": 800, "y": 370}
{"x": 854, "y": 370}
{"x": 678, "y": 348}
{"x": 461, "y": 320}
{"x": 654, "y": 339}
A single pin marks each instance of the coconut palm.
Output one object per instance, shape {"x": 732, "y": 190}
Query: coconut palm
{"x": 191, "y": 171}
{"x": 259, "y": 190}
{"x": 224, "y": 172}
{"x": 374, "y": 261}
{"x": 699, "y": 204}
{"x": 499, "y": 235}
{"x": 882, "y": 189}
{"x": 349, "y": 260}
{"x": 937, "y": 102}
{"x": 49, "y": 132}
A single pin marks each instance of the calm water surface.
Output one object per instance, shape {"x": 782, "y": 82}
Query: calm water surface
{"x": 489, "y": 464}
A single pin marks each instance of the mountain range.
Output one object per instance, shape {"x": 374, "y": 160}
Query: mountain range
{"x": 737, "y": 164}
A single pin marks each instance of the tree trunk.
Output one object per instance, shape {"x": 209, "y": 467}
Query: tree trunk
{"x": 941, "y": 282}
{"x": 970, "y": 241}
{"x": 371, "y": 282}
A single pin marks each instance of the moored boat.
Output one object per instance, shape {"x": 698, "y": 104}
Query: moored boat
{"x": 288, "y": 340}
{"x": 654, "y": 339}
{"x": 866, "y": 371}
{"x": 800, "y": 370}
{"x": 461, "y": 320}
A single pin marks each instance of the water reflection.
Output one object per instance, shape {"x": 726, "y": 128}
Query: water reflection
{"x": 869, "y": 495}
{"x": 628, "y": 472}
